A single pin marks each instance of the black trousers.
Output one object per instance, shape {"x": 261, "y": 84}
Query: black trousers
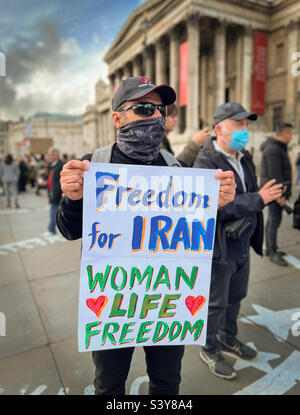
{"x": 163, "y": 368}
{"x": 273, "y": 223}
{"x": 228, "y": 287}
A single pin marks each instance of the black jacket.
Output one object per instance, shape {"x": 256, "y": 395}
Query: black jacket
{"x": 275, "y": 164}
{"x": 55, "y": 194}
{"x": 244, "y": 204}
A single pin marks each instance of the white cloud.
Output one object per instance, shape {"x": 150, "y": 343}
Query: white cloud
{"x": 70, "y": 88}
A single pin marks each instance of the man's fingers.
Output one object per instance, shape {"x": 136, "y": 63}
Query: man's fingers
{"x": 228, "y": 174}
{"x": 77, "y": 164}
{"x": 74, "y": 178}
{"x": 269, "y": 183}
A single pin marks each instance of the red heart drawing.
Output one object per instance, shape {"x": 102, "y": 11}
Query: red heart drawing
{"x": 194, "y": 304}
{"x": 97, "y": 304}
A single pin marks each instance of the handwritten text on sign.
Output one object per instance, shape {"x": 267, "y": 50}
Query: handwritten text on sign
{"x": 148, "y": 236}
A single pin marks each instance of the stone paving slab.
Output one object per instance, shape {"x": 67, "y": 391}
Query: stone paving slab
{"x": 262, "y": 269}
{"x": 33, "y": 372}
{"x": 57, "y": 300}
{"x": 12, "y": 270}
{"x": 76, "y": 369}
{"x": 197, "y": 378}
{"x": 273, "y": 304}
{"x": 50, "y": 260}
{"x": 24, "y": 329}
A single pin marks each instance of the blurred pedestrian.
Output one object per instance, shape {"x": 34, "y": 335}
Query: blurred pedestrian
{"x": 275, "y": 164}
{"x": 298, "y": 169}
{"x": 239, "y": 226}
{"x": 192, "y": 148}
{"x": 54, "y": 187}
{"x": 23, "y": 176}
{"x": 41, "y": 174}
{"x": 10, "y": 175}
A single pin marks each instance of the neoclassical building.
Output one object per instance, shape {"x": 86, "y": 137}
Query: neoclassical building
{"x": 210, "y": 52}
{"x": 62, "y": 131}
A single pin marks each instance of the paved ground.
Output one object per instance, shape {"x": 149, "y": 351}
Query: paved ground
{"x": 39, "y": 284}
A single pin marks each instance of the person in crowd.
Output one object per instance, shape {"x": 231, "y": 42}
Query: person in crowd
{"x": 22, "y": 176}
{"x": 275, "y": 164}
{"x": 10, "y": 175}
{"x": 192, "y": 148}
{"x": 298, "y": 170}
{"x": 41, "y": 174}
{"x": 54, "y": 187}
{"x": 138, "y": 115}
{"x": 239, "y": 226}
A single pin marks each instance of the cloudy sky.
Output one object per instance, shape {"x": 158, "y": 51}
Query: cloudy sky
{"x": 54, "y": 52}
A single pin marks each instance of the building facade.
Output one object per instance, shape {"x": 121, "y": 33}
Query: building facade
{"x": 220, "y": 62}
{"x": 4, "y": 132}
{"x": 45, "y": 130}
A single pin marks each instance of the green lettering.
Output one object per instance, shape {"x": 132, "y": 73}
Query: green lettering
{"x": 142, "y": 331}
{"x": 163, "y": 271}
{"x": 147, "y": 305}
{"x": 113, "y": 279}
{"x": 126, "y": 330}
{"x": 116, "y": 311}
{"x": 197, "y": 327}
{"x": 166, "y": 306}
{"x": 99, "y": 278}
{"x": 89, "y": 334}
{"x": 109, "y": 335}
{"x": 157, "y": 335}
{"x": 189, "y": 281}
{"x": 135, "y": 273}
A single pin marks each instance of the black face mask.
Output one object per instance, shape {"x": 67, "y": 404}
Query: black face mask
{"x": 140, "y": 139}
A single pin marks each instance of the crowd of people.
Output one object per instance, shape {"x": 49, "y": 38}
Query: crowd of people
{"x": 144, "y": 115}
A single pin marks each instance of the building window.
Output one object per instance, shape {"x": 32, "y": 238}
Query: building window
{"x": 277, "y": 117}
{"x": 279, "y": 55}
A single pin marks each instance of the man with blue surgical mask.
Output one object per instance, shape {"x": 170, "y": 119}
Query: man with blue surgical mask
{"x": 239, "y": 226}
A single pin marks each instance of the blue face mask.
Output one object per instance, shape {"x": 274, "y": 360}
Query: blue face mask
{"x": 239, "y": 139}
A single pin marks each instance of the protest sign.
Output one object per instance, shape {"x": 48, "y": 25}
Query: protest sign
{"x": 147, "y": 244}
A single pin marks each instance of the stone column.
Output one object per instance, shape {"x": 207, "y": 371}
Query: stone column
{"x": 136, "y": 66}
{"x": 149, "y": 64}
{"x": 111, "y": 128}
{"x": 118, "y": 78}
{"x": 160, "y": 63}
{"x": 220, "y": 62}
{"x": 239, "y": 67}
{"x": 174, "y": 69}
{"x": 192, "y": 110}
{"x": 203, "y": 89}
{"x": 247, "y": 68}
{"x": 126, "y": 71}
{"x": 290, "y": 96}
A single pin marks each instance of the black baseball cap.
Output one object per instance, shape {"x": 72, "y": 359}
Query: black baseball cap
{"x": 138, "y": 87}
{"x": 232, "y": 111}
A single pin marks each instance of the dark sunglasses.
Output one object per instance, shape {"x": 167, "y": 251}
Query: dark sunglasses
{"x": 145, "y": 108}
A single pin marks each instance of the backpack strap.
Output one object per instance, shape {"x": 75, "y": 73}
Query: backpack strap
{"x": 102, "y": 155}
{"x": 170, "y": 159}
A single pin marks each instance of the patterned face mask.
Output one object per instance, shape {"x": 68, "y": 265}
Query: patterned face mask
{"x": 140, "y": 139}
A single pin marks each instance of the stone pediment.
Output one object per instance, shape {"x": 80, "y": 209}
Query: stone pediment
{"x": 132, "y": 31}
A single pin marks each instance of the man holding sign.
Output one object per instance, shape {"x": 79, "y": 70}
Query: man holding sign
{"x": 124, "y": 221}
